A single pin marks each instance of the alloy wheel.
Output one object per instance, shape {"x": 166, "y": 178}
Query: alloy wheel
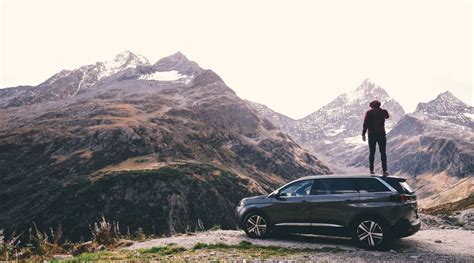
{"x": 370, "y": 233}
{"x": 256, "y": 225}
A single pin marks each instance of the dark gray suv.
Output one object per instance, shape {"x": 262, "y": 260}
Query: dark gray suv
{"x": 372, "y": 209}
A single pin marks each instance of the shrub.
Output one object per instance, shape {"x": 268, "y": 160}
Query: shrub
{"x": 40, "y": 244}
{"x": 216, "y": 227}
{"x": 105, "y": 233}
{"x": 139, "y": 235}
{"x": 9, "y": 248}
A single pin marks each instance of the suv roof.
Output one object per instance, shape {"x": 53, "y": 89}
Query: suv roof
{"x": 349, "y": 176}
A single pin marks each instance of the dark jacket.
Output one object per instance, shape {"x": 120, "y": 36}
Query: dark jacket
{"x": 374, "y": 121}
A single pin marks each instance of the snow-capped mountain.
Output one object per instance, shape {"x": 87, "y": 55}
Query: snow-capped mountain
{"x": 448, "y": 108}
{"x": 343, "y": 117}
{"x": 69, "y": 83}
{"x": 337, "y": 126}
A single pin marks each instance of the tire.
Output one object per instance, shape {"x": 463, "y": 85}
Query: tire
{"x": 371, "y": 233}
{"x": 256, "y": 225}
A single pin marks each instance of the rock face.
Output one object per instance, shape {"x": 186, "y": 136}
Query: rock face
{"x": 147, "y": 145}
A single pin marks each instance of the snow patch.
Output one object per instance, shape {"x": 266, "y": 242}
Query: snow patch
{"x": 171, "y": 75}
{"x": 336, "y": 131}
{"x": 357, "y": 140}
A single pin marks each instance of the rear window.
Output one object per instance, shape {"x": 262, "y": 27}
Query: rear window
{"x": 406, "y": 187}
{"x": 333, "y": 186}
{"x": 370, "y": 185}
{"x": 400, "y": 185}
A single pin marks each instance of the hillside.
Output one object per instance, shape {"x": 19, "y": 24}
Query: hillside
{"x": 149, "y": 145}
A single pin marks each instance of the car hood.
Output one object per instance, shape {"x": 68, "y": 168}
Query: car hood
{"x": 254, "y": 199}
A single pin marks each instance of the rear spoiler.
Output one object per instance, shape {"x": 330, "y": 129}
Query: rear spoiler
{"x": 394, "y": 178}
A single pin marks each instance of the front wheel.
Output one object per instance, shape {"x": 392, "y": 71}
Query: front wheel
{"x": 256, "y": 226}
{"x": 372, "y": 234}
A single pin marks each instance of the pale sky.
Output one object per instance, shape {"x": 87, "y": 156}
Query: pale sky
{"x": 293, "y": 56}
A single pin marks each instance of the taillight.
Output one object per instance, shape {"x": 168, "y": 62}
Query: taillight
{"x": 403, "y": 198}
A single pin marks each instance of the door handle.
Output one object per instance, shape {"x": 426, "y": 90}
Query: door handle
{"x": 304, "y": 201}
{"x": 347, "y": 200}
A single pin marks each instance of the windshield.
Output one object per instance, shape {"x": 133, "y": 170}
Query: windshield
{"x": 298, "y": 188}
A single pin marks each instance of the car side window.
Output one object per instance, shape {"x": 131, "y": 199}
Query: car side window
{"x": 333, "y": 186}
{"x": 300, "y": 188}
{"x": 370, "y": 185}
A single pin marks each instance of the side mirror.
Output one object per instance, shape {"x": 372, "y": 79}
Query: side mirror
{"x": 274, "y": 194}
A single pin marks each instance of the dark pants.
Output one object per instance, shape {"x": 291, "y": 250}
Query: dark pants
{"x": 382, "y": 141}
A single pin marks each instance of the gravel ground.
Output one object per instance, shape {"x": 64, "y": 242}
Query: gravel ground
{"x": 445, "y": 245}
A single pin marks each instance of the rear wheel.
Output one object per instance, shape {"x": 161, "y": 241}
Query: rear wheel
{"x": 256, "y": 226}
{"x": 372, "y": 233}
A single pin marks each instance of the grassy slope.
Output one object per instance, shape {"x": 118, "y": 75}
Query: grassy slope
{"x": 200, "y": 251}
{"x": 449, "y": 208}
{"x": 160, "y": 201}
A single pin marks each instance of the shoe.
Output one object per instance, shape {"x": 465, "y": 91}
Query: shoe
{"x": 386, "y": 173}
{"x": 372, "y": 172}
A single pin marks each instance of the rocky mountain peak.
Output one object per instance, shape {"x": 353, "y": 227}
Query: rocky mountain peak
{"x": 444, "y": 104}
{"x": 120, "y": 62}
{"x": 446, "y": 95}
{"x": 175, "y": 58}
{"x": 448, "y": 98}
{"x": 366, "y": 84}
{"x": 129, "y": 58}
{"x": 368, "y": 89}
{"x": 448, "y": 108}
{"x": 179, "y": 62}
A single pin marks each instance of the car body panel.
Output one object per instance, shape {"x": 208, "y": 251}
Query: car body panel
{"x": 288, "y": 210}
{"x": 335, "y": 209}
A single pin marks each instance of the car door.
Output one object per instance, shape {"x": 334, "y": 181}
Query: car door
{"x": 290, "y": 207}
{"x": 332, "y": 202}
{"x": 375, "y": 194}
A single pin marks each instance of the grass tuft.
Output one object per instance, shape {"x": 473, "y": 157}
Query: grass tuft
{"x": 165, "y": 250}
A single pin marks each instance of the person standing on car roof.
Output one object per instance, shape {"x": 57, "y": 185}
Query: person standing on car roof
{"x": 374, "y": 123}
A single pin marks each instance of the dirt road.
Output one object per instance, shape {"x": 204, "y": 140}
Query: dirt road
{"x": 427, "y": 245}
